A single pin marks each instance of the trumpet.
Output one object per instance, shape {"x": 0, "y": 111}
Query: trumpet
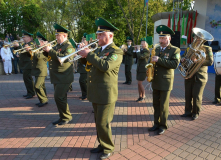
{"x": 53, "y": 43}
{"x": 62, "y": 59}
{"x": 12, "y": 44}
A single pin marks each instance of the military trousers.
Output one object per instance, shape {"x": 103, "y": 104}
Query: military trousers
{"x": 40, "y": 89}
{"x": 83, "y": 84}
{"x": 193, "y": 96}
{"x": 29, "y": 83}
{"x": 103, "y": 115}
{"x": 217, "y": 88}
{"x": 161, "y": 101}
{"x": 60, "y": 97}
{"x": 128, "y": 73}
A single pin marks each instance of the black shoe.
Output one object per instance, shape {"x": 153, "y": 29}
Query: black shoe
{"x": 84, "y": 98}
{"x": 138, "y": 99}
{"x": 129, "y": 83}
{"x": 154, "y": 128}
{"x": 25, "y": 95}
{"x": 63, "y": 122}
{"x": 56, "y": 122}
{"x": 42, "y": 104}
{"x": 80, "y": 97}
{"x": 215, "y": 102}
{"x": 28, "y": 97}
{"x": 125, "y": 82}
{"x": 105, "y": 156}
{"x": 92, "y": 111}
{"x": 161, "y": 131}
{"x": 195, "y": 117}
{"x": 96, "y": 150}
{"x": 37, "y": 103}
{"x": 186, "y": 115}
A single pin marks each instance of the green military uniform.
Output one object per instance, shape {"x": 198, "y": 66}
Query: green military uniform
{"x": 162, "y": 82}
{"x": 61, "y": 75}
{"x": 128, "y": 62}
{"x": 26, "y": 65}
{"x": 143, "y": 56}
{"x": 102, "y": 85}
{"x": 82, "y": 78}
{"x": 39, "y": 70}
{"x": 217, "y": 88}
{"x": 195, "y": 85}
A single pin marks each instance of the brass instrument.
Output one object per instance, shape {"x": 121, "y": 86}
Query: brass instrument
{"x": 53, "y": 43}
{"x": 124, "y": 47}
{"x": 62, "y": 59}
{"x": 195, "y": 56}
{"x": 150, "y": 66}
{"x": 12, "y": 44}
{"x": 22, "y": 50}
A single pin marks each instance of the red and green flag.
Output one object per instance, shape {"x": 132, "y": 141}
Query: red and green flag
{"x": 183, "y": 37}
{"x": 178, "y": 23}
{"x": 195, "y": 19}
{"x": 186, "y": 24}
{"x": 168, "y": 24}
{"x": 190, "y": 29}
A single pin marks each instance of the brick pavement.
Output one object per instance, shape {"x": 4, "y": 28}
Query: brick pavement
{"x": 26, "y": 131}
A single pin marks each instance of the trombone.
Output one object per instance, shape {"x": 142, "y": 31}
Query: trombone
{"x": 53, "y": 43}
{"x": 62, "y": 59}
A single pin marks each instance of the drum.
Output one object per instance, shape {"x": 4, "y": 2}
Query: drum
{"x": 217, "y": 62}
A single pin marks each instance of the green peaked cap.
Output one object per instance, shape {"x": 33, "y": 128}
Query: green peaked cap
{"x": 129, "y": 38}
{"x": 84, "y": 35}
{"x": 60, "y": 29}
{"x": 104, "y": 26}
{"x": 26, "y": 33}
{"x": 163, "y": 30}
{"x": 91, "y": 36}
{"x": 143, "y": 39}
{"x": 39, "y": 35}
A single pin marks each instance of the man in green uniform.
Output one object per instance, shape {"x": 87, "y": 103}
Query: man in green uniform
{"x": 25, "y": 64}
{"x": 39, "y": 70}
{"x": 61, "y": 75}
{"x": 166, "y": 60}
{"x": 83, "y": 73}
{"x": 102, "y": 77}
{"x": 195, "y": 85}
{"x": 128, "y": 61}
{"x": 217, "y": 89}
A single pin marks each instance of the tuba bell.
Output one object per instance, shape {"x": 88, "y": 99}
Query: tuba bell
{"x": 195, "y": 57}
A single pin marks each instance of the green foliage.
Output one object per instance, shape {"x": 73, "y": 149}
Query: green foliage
{"x": 79, "y": 16}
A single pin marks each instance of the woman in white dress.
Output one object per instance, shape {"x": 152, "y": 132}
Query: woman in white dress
{"x": 7, "y": 57}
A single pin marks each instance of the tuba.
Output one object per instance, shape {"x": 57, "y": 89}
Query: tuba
{"x": 150, "y": 66}
{"x": 195, "y": 57}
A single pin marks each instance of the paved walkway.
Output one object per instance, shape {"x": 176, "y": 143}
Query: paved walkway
{"x": 26, "y": 131}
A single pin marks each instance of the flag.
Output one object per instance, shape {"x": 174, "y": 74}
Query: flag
{"x": 190, "y": 29}
{"x": 173, "y": 22}
{"x": 186, "y": 25}
{"x": 145, "y": 3}
{"x": 178, "y": 23}
{"x": 183, "y": 40}
{"x": 195, "y": 19}
{"x": 168, "y": 24}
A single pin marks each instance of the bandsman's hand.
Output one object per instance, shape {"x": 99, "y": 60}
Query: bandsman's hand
{"x": 3, "y": 60}
{"x": 83, "y": 52}
{"x": 28, "y": 47}
{"x": 155, "y": 58}
{"x": 47, "y": 48}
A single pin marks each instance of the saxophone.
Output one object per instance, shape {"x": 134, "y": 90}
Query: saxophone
{"x": 150, "y": 66}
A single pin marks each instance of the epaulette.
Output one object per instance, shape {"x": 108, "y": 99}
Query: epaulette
{"x": 115, "y": 47}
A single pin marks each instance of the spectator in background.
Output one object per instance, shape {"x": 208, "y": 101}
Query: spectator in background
{"x": 11, "y": 37}
{"x": 7, "y": 57}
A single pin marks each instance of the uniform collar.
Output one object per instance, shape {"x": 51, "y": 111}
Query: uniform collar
{"x": 103, "y": 47}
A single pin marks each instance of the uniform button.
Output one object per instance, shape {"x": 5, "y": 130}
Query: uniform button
{"x": 90, "y": 81}
{"x": 156, "y": 70}
{"x": 156, "y": 74}
{"x": 50, "y": 68}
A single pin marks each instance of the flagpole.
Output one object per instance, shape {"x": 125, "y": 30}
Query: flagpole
{"x": 146, "y": 20}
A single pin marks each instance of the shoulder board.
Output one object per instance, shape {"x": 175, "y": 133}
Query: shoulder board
{"x": 115, "y": 47}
